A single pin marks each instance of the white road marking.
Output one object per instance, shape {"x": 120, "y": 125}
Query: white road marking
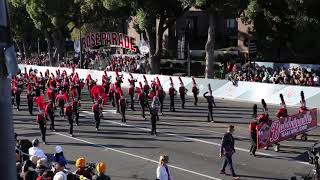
{"x": 196, "y": 140}
{"x": 105, "y": 148}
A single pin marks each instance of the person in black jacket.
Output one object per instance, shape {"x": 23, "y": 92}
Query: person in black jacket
{"x": 211, "y": 103}
{"x": 227, "y": 150}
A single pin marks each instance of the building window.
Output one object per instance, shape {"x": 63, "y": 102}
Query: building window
{"x": 231, "y": 23}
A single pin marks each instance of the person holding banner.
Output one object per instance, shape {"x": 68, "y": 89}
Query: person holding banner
{"x": 253, "y": 137}
{"x": 211, "y": 102}
{"x": 303, "y": 108}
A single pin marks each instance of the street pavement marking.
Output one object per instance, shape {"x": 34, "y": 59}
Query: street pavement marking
{"x": 197, "y": 140}
{"x": 136, "y": 156}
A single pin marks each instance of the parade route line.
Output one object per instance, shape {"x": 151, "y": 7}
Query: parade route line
{"x": 196, "y": 140}
{"x": 136, "y": 156}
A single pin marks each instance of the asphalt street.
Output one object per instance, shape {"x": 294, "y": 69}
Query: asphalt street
{"x": 192, "y": 143}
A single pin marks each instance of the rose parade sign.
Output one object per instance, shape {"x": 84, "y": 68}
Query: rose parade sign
{"x": 108, "y": 39}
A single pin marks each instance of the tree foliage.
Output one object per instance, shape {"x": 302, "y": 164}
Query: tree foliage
{"x": 282, "y": 26}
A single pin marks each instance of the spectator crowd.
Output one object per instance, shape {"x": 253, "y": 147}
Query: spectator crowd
{"x": 291, "y": 76}
{"x": 33, "y": 164}
{"x": 97, "y": 60}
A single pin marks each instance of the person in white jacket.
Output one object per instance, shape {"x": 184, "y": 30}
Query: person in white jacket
{"x": 163, "y": 172}
{"x": 36, "y": 151}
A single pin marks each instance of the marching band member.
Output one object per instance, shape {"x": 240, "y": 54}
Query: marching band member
{"x": 88, "y": 80}
{"x": 282, "y": 111}
{"x": 18, "y": 92}
{"x": 142, "y": 99}
{"x": 106, "y": 82}
{"x": 123, "y": 107}
{"x": 264, "y": 117}
{"x": 41, "y": 120}
{"x": 112, "y": 94}
{"x": 195, "y": 91}
{"x": 117, "y": 96}
{"x": 76, "y": 105}
{"x": 172, "y": 93}
{"x": 154, "y": 109}
{"x": 255, "y": 111}
{"x": 60, "y": 100}
{"x": 182, "y": 91}
{"x": 146, "y": 87}
{"x": 131, "y": 90}
{"x": 69, "y": 117}
{"x": 97, "y": 114}
{"x": 118, "y": 79}
{"x": 49, "y": 110}
{"x": 211, "y": 103}
{"x": 30, "y": 99}
{"x": 303, "y": 108}
{"x": 161, "y": 95}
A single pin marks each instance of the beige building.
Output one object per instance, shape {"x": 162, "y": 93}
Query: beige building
{"x": 192, "y": 29}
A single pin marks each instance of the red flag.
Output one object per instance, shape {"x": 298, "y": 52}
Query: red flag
{"x": 95, "y": 91}
{"x": 49, "y": 93}
{"x": 74, "y": 93}
{"x": 66, "y": 97}
{"x": 75, "y": 78}
{"x": 40, "y": 103}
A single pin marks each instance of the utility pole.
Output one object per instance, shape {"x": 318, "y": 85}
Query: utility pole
{"x": 8, "y": 67}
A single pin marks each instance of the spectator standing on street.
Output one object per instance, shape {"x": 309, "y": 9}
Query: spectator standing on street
{"x": 227, "y": 150}
{"x": 163, "y": 170}
{"x": 101, "y": 169}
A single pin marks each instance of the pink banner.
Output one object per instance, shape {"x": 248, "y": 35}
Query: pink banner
{"x": 286, "y": 128}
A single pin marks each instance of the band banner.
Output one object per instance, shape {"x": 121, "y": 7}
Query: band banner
{"x": 286, "y": 128}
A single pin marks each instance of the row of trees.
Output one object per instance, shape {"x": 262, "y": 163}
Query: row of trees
{"x": 273, "y": 20}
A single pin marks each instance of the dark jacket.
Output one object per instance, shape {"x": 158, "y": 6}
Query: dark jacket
{"x": 227, "y": 144}
{"x": 101, "y": 177}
